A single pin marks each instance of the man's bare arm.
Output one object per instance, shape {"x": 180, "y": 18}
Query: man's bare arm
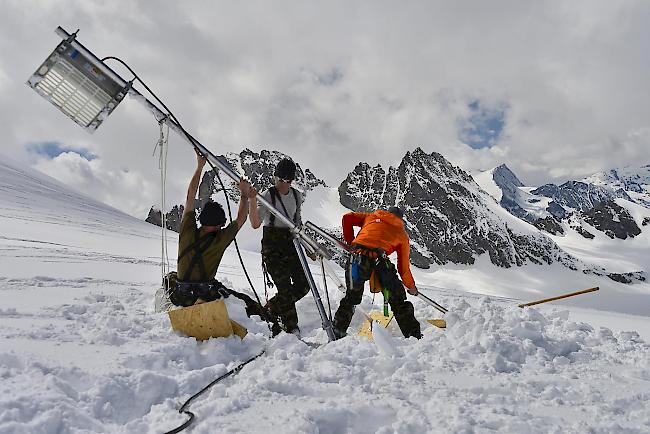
{"x": 194, "y": 184}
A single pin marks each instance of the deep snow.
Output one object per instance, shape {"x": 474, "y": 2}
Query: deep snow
{"x": 82, "y": 350}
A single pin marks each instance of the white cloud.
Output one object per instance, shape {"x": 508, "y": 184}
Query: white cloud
{"x": 336, "y": 83}
{"x": 123, "y": 189}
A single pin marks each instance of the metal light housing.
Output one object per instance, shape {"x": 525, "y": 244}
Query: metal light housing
{"x": 73, "y": 81}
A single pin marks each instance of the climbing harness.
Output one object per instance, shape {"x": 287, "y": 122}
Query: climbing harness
{"x": 275, "y": 194}
{"x": 162, "y": 300}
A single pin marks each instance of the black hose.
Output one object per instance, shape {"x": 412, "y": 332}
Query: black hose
{"x": 200, "y": 392}
{"x": 241, "y": 260}
{"x": 187, "y": 135}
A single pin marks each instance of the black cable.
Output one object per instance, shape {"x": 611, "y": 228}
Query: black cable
{"x": 327, "y": 293}
{"x": 200, "y": 392}
{"x": 191, "y": 140}
{"x": 225, "y": 193}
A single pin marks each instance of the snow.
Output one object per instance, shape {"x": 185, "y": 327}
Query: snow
{"x": 615, "y": 255}
{"x": 81, "y": 349}
{"x": 485, "y": 180}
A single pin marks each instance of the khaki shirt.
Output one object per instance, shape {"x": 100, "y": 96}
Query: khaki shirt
{"x": 211, "y": 254}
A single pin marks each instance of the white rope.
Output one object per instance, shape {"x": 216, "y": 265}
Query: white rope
{"x": 161, "y": 145}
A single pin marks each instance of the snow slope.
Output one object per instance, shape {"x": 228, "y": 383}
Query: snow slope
{"x": 82, "y": 351}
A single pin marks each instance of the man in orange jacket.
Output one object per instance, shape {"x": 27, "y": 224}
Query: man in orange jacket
{"x": 381, "y": 234}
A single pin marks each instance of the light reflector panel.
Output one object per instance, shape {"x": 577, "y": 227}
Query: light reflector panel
{"x": 81, "y": 90}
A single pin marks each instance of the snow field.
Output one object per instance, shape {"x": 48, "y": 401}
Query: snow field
{"x": 81, "y": 350}
{"x": 496, "y": 367}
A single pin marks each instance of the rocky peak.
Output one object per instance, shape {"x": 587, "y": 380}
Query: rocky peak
{"x": 613, "y": 220}
{"x": 448, "y": 217}
{"x": 505, "y": 178}
{"x": 511, "y": 197}
{"x": 579, "y": 195}
{"x": 258, "y": 168}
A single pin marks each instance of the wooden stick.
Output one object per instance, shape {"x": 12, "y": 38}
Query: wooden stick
{"x": 559, "y": 297}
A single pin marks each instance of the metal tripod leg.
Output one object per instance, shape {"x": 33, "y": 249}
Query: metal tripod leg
{"x": 327, "y": 324}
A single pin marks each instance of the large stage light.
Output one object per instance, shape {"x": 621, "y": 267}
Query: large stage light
{"x": 79, "y": 84}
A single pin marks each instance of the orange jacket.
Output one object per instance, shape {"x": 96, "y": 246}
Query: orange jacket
{"x": 383, "y": 230}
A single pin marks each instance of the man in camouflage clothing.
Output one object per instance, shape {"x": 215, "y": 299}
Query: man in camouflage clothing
{"x": 278, "y": 251}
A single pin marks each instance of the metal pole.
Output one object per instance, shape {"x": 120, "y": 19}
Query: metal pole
{"x": 584, "y": 291}
{"x": 330, "y": 272}
{"x": 217, "y": 161}
{"x": 343, "y": 247}
{"x": 327, "y": 324}
{"x": 431, "y": 302}
{"x": 327, "y": 294}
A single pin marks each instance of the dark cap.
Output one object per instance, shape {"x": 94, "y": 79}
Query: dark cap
{"x": 212, "y": 214}
{"x": 397, "y": 211}
{"x": 286, "y": 169}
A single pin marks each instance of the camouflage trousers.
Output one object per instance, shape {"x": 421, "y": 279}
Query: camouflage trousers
{"x": 402, "y": 309}
{"x": 283, "y": 264}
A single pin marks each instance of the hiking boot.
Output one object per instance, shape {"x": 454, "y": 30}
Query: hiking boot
{"x": 275, "y": 329}
{"x": 338, "y": 334}
{"x": 295, "y": 332}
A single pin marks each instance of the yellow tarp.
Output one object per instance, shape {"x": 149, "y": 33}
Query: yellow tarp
{"x": 206, "y": 320}
{"x": 377, "y": 317}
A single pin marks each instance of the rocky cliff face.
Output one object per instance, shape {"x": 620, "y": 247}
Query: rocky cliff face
{"x": 579, "y": 195}
{"x": 575, "y": 203}
{"x": 258, "y": 169}
{"x": 173, "y": 221}
{"x": 613, "y": 220}
{"x": 512, "y": 196}
{"x": 448, "y": 217}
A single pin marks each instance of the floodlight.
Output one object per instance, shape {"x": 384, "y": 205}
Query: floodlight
{"x": 79, "y": 84}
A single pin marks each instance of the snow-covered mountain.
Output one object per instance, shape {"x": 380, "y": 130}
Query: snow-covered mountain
{"x": 605, "y": 218}
{"x": 450, "y": 219}
{"x": 599, "y": 202}
{"x": 81, "y": 349}
{"x": 635, "y": 181}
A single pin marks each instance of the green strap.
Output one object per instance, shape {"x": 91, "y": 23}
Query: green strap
{"x": 198, "y": 246}
{"x": 386, "y": 294}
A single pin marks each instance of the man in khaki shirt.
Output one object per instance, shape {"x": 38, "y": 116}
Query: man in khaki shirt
{"x": 200, "y": 250}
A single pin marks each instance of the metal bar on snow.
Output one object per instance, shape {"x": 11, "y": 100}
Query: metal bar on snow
{"x": 343, "y": 247}
{"x": 327, "y": 324}
{"x": 559, "y": 297}
{"x": 431, "y": 302}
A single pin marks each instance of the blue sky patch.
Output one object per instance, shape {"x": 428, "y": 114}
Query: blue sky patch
{"x": 483, "y": 127}
{"x": 54, "y": 149}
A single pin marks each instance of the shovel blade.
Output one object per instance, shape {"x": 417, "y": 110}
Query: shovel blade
{"x": 377, "y": 318}
{"x": 440, "y": 323}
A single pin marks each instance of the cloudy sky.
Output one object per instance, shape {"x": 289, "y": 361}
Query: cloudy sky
{"x": 556, "y": 90}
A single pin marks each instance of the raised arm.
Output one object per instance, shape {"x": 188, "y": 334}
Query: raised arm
{"x": 194, "y": 183}
{"x": 245, "y": 190}
{"x": 254, "y": 213}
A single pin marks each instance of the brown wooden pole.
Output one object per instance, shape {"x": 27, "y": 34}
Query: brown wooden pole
{"x": 559, "y": 297}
